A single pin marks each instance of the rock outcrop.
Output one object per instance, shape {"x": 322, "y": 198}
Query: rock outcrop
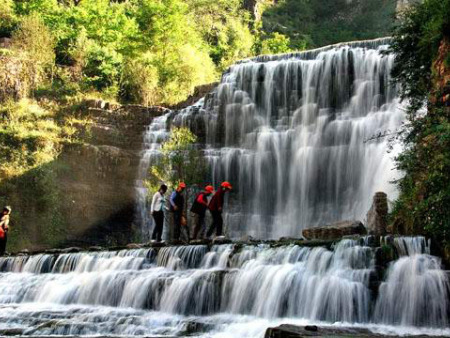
{"x": 87, "y": 195}
{"x": 377, "y": 215}
{"x": 335, "y": 230}
{"x": 293, "y": 331}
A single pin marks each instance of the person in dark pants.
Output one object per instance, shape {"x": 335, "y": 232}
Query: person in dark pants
{"x": 176, "y": 206}
{"x": 4, "y": 227}
{"x": 199, "y": 207}
{"x": 215, "y": 207}
{"x": 157, "y": 210}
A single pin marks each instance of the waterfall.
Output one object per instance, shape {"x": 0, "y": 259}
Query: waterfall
{"x": 416, "y": 291}
{"x": 155, "y": 133}
{"x": 218, "y": 285}
{"x": 296, "y": 136}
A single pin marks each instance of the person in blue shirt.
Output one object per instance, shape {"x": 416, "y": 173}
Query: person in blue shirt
{"x": 177, "y": 207}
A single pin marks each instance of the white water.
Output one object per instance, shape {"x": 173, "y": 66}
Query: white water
{"x": 289, "y": 132}
{"x": 232, "y": 291}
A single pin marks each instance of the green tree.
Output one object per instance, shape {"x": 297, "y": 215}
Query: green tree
{"x": 276, "y": 43}
{"x": 315, "y": 23}
{"x": 176, "y": 50}
{"x": 180, "y": 160}
{"x": 421, "y": 43}
{"x": 224, "y": 26}
{"x": 8, "y": 17}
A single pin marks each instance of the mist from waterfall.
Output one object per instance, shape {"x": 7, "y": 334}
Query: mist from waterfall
{"x": 296, "y": 136}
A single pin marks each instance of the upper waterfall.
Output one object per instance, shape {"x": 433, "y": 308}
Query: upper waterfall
{"x": 290, "y": 131}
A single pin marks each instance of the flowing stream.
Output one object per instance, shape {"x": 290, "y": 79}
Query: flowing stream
{"x": 224, "y": 290}
{"x": 296, "y": 135}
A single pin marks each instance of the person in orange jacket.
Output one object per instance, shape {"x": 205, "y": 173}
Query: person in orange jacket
{"x": 215, "y": 207}
{"x": 199, "y": 207}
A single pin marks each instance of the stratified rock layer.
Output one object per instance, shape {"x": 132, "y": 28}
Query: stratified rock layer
{"x": 335, "y": 230}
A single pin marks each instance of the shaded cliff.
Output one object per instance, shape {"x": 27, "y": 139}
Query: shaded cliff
{"x": 86, "y": 195}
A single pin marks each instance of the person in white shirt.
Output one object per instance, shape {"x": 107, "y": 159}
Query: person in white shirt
{"x": 157, "y": 210}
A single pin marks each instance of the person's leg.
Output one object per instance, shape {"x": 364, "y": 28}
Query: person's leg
{"x": 202, "y": 225}
{"x": 187, "y": 232}
{"x": 155, "y": 228}
{"x": 2, "y": 246}
{"x": 159, "y": 221}
{"x": 213, "y": 224}
{"x": 161, "y": 227}
{"x": 177, "y": 225}
{"x": 197, "y": 226}
{"x": 219, "y": 223}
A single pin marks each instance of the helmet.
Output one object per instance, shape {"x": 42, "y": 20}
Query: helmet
{"x": 226, "y": 185}
{"x": 209, "y": 188}
{"x": 182, "y": 185}
{"x": 7, "y": 209}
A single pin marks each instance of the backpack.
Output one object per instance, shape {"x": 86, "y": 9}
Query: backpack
{"x": 197, "y": 208}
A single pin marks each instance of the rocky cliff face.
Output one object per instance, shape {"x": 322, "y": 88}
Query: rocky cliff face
{"x": 87, "y": 196}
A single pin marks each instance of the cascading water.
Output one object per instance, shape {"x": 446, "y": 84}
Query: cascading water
{"x": 155, "y": 134}
{"x": 289, "y": 132}
{"x": 163, "y": 291}
{"x": 416, "y": 291}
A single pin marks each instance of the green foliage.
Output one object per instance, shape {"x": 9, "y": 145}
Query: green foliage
{"x": 415, "y": 44}
{"x": 224, "y": 26}
{"x": 8, "y": 18}
{"x": 424, "y": 191}
{"x": 28, "y": 137}
{"x": 33, "y": 41}
{"x": 422, "y": 206}
{"x": 315, "y": 23}
{"x": 180, "y": 161}
{"x": 276, "y": 43}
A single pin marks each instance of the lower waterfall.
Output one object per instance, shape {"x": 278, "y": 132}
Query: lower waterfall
{"x": 230, "y": 290}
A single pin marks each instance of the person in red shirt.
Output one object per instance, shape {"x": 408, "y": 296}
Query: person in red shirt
{"x": 4, "y": 227}
{"x": 199, "y": 207}
{"x": 215, "y": 207}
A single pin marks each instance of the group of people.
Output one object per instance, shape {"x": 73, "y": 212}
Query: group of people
{"x": 199, "y": 207}
{"x": 4, "y": 227}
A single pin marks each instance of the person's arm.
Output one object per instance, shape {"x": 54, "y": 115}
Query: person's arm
{"x": 172, "y": 200}
{"x": 220, "y": 201}
{"x": 154, "y": 200}
{"x": 4, "y": 222}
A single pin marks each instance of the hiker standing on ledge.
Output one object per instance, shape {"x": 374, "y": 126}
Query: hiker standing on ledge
{"x": 4, "y": 227}
{"x": 157, "y": 210}
{"x": 199, "y": 208}
{"x": 215, "y": 206}
{"x": 176, "y": 206}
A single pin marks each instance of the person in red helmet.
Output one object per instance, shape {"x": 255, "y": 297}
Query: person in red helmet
{"x": 215, "y": 207}
{"x": 199, "y": 208}
{"x": 177, "y": 207}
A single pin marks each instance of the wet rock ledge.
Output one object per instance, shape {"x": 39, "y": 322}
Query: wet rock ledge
{"x": 293, "y": 331}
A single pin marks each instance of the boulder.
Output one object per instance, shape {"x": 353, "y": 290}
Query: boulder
{"x": 293, "y": 331}
{"x": 71, "y": 250}
{"x": 221, "y": 240}
{"x": 377, "y": 215}
{"x": 335, "y": 230}
{"x": 134, "y": 246}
